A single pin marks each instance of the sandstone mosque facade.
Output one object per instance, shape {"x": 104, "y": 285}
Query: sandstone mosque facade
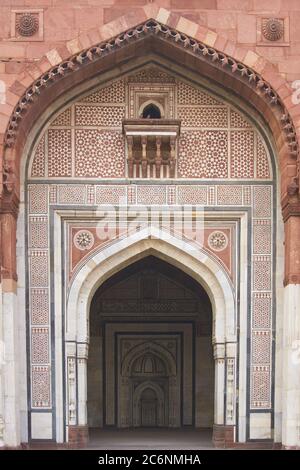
{"x": 150, "y": 219}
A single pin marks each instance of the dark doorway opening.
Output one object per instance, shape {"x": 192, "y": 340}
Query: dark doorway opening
{"x": 150, "y": 359}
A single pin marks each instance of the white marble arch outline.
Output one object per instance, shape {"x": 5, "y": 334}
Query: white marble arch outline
{"x": 179, "y": 253}
{"x": 151, "y": 240}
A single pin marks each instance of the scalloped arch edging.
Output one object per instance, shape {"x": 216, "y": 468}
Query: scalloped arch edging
{"x": 147, "y": 28}
{"x": 249, "y": 76}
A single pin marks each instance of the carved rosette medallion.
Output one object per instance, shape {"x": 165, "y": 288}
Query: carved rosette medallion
{"x": 84, "y": 240}
{"x": 217, "y": 241}
{"x": 27, "y": 24}
{"x": 272, "y": 29}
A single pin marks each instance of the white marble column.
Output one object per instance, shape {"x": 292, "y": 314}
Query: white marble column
{"x": 10, "y": 370}
{"x": 219, "y": 356}
{"x": 230, "y": 383}
{"x": 2, "y": 352}
{"x": 82, "y": 355}
{"x": 71, "y": 383}
{"x": 291, "y": 367}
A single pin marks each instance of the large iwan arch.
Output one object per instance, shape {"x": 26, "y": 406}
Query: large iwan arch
{"x": 179, "y": 253}
{"x": 44, "y": 202}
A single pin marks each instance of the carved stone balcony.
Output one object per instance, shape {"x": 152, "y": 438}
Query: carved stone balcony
{"x": 151, "y": 147}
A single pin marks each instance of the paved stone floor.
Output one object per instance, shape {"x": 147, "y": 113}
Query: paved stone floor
{"x": 147, "y": 439}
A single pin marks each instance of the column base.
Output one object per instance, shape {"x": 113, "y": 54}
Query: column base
{"x": 78, "y": 437}
{"x": 223, "y": 436}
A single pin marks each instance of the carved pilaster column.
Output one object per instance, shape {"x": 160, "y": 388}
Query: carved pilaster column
{"x": 82, "y": 355}
{"x": 158, "y": 157}
{"x": 71, "y": 383}
{"x": 130, "y": 156}
{"x": 144, "y": 156}
{"x": 230, "y": 383}
{"x": 77, "y": 394}
{"x": 172, "y": 156}
{"x": 219, "y": 356}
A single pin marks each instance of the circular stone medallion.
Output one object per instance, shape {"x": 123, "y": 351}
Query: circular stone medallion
{"x": 217, "y": 241}
{"x": 84, "y": 240}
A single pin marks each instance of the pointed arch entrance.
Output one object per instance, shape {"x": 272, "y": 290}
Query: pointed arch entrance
{"x": 150, "y": 329}
{"x": 202, "y": 268}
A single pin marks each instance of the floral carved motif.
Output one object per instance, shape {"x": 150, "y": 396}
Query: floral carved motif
{"x": 27, "y": 24}
{"x": 217, "y": 241}
{"x": 84, "y": 240}
{"x": 272, "y": 28}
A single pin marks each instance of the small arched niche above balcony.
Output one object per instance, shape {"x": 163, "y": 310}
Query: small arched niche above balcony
{"x": 152, "y": 110}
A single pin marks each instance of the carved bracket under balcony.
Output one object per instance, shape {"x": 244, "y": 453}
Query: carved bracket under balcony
{"x": 151, "y": 147}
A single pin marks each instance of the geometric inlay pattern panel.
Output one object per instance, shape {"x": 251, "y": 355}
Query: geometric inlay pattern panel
{"x": 110, "y": 195}
{"x": 38, "y": 199}
{"x": 238, "y": 121}
{"x": 38, "y": 164}
{"x": 242, "y": 152}
{"x": 216, "y": 142}
{"x": 114, "y": 93}
{"x": 85, "y": 141}
{"x": 262, "y": 304}
{"x": 262, "y": 273}
{"x": 192, "y": 195}
{"x": 203, "y": 117}
{"x": 39, "y": 306}
{"x": 107, "y": 116}
{"x": 38, "y": 263}
{"x": 151, "y": 195}
{"x": 63, "y": 119}
{"x": 237, "y": 195}
{"x": 262, "y": 237}
{"x": 262, "y": 161}
{"x": 41, "y": 383}
{"x": 99, "y": 153}
{"x": 39, "y": 345}
{"x": 260, "y": 387}
{"x": 190, "y": 95}
{"x": 59, "y": 153}
{"x": 229, "y": 195}
{"x": 38, "y": 234}
{"x": 261, "y": 347}
{"x": 262, "y": 202}
{"x": 203, "y": 154}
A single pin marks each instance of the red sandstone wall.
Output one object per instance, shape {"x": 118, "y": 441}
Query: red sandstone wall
{"x": 237, "y": 20}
